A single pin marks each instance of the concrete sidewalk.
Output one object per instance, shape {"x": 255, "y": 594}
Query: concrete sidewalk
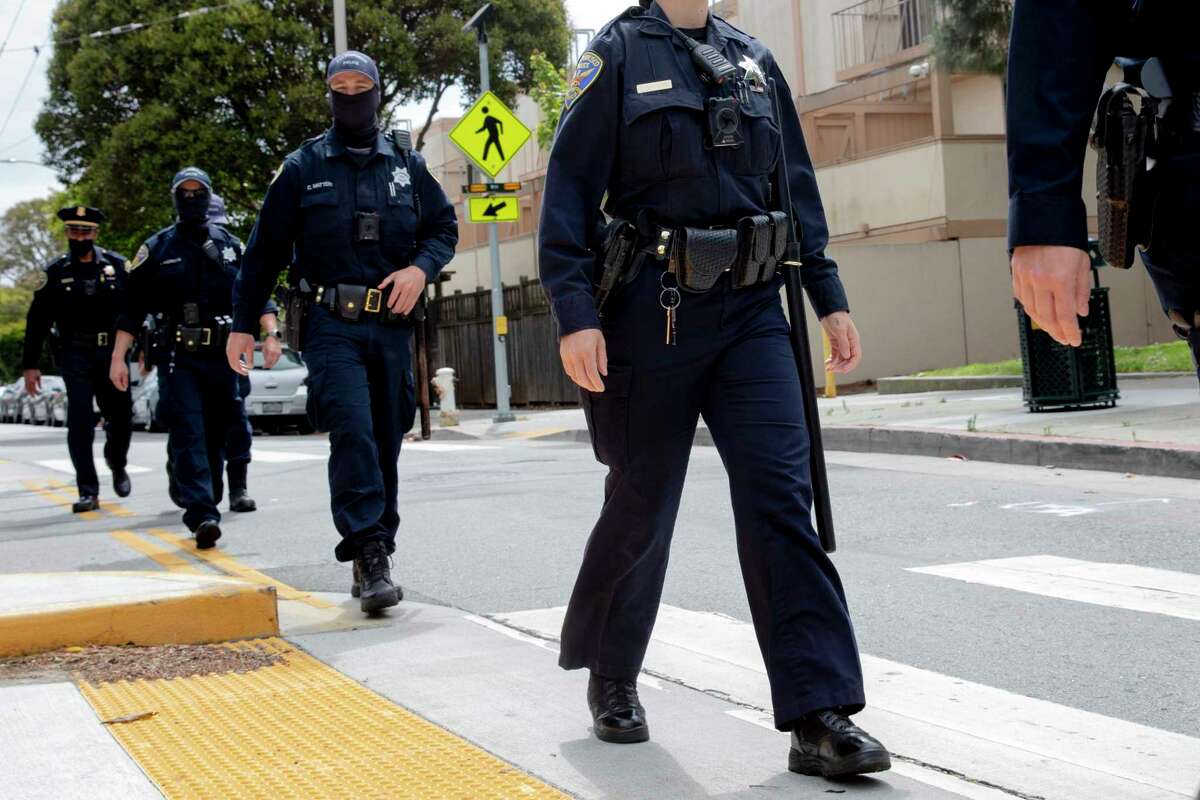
{"x": 1154, "y": 429}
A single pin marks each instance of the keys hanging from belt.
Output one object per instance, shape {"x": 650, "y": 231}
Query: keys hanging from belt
{"x": 669, "y": 299}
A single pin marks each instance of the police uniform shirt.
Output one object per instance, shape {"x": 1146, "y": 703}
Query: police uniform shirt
{"x": 172, "y": 269}
{"x": 309, "y": 215}
{"x": 1059, "y": 53}
{"x": 79, "y": 298}
{"x": 634, "y": 126}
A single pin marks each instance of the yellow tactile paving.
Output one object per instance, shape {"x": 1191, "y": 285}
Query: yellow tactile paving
{"x": 298, "y": 729}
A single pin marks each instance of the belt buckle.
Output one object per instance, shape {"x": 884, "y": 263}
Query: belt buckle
{"x": 102, "y": 339}
{"x": 374, "y": 301}
{"x": 205, "y": 336}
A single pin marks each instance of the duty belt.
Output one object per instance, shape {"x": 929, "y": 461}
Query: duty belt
{"x": 101, "y": 339}
{"x": 350, "y": 302}
{"x": 204, "y": 338}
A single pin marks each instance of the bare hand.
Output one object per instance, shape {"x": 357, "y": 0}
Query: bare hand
{"x": 407, "y": 285}
{"x": 272, "y": 350}
{"x": 33, "y": 381}
{"x": 585, "y": 358}
{"x": 239, "y": 351}
{"x": 845, "y": 349}
{"x": 1054, "y": 285}
{"x": 118, "y": 373}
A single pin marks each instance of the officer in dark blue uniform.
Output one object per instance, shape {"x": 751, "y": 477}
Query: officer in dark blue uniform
{"x": 183, "y": 276}
{"x": 81, "y": 294}
{"x": 695, "y": 327}
{"x": 1053, "y": 93}
{"x": 368, "y": 227}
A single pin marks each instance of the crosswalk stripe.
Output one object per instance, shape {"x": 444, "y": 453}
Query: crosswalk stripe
{"x": 1126, "y": 586}
{"x": 102, "y": 470}
{"x": 1028, "y": 746}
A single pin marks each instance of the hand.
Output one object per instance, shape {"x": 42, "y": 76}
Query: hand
{"x": 585, "y": 358}
{"x": 33, "y": 381}
{"x": 407, "y": 285}
{"x": 1054, "y": 285}
{"x": 272, "y": 350}
{"x": 845, "y": 349}
{"x": 118, "y": 373}
{"x": 240, "y": 353}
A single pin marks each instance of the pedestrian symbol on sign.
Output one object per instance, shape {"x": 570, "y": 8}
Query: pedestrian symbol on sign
{"x": 494, "y": 128}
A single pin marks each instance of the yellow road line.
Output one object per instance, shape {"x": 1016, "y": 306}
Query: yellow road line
{"x": 296, "y": 729}
{"x": 230, "y": 565}
{"x": 160, "y": 555}
{"x": 116, "y": 509}
{"x": 57, "y": 499}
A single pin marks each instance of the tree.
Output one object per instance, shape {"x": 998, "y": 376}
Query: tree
{"x": 972, "y": 35}
{"x": 236, "y": 89}
{"x": 30, "y": 237}
{"x": 549, "y": 91}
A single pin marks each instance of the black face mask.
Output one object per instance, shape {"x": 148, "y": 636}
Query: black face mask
{"x": 354, "y": 116}
{"x": 192, "y": 210}
{"x": 80, "y": 247}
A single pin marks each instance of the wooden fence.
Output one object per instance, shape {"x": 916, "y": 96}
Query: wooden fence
{"x": 463, "y": 340}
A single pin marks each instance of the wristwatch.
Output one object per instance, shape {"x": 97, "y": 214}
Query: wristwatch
{"x": 275, "y": 334}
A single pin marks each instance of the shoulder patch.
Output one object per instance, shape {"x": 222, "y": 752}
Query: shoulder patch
{"x": 142, "y": 254}
{"x": 40, "y": 280}
{"x": 586, "y": 71}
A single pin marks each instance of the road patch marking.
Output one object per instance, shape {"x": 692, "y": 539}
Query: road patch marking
{"x": 1022, "y": 744}
{"x": 296, "y": 728}
{"x": 231, "y": 566}
{"x": 102, "y": 470}
{"x": 168, "y": 559}
{"x": 1124, "y": 586}
{"x": 58, "y": 499}
{"x": 284, "y": 456}
{"x": 444, "y": 447}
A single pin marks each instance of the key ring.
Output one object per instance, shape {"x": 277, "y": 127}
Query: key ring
{"x": 670, "y": 296}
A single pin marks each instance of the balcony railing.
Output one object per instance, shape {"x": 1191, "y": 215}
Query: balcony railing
{"x": 871, "y": 34}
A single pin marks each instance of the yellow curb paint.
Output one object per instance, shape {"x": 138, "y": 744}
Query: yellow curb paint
{"x": 534, "y": 434}
{"x": 159, "y": 555}
{"x": 230, "y": 565}
{"x": 296, "y": 729}
{"x": 214, "y": 613}
{"x": 57, "y": 499}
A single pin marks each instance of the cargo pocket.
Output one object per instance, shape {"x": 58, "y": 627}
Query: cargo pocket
{"x": 607, "y": 415}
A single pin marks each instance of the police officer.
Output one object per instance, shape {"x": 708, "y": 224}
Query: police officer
{"x": 240, "y": 440}
{"x": 81, "y": 294}
{"x": 368, "y": 227}
{"x": 183, "y": 276}
{"x": 1053, "y": 94}
{"x": 696, "y": 328}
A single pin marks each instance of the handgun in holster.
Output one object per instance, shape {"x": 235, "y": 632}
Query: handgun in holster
{"x": 297, "y": 300}
{"x": 618, "y": 249}
{"x": 1123, "y": 137}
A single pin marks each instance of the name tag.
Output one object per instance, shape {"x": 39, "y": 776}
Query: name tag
{"x": 170, "y": 261}
{"x": 656, "y": 86}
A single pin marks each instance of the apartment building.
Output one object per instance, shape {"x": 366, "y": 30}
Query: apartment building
{"x": 912, "y": 170}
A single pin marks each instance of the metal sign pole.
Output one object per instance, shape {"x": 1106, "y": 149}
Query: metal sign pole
{"x": 503, "y": 407}
{"x": 339, "y": 27}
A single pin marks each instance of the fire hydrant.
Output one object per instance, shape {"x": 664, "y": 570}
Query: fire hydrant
{"x": 443, "y": 384}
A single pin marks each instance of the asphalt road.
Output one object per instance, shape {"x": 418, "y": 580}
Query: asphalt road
{"x": 498, "y": 526}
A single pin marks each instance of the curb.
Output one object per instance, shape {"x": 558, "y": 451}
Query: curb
{"x": 1005, "y": 448}
{"x": 914, "y": 384}
{"x": 139, "y": 608}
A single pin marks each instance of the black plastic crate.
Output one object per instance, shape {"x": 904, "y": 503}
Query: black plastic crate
{"x": 1062, "y": 377}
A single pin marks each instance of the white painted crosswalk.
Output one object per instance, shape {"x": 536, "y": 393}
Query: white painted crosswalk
{"x": 1126, "y": 586}
{"x": 983, "y": 737}
{"x": 64, "y": 465}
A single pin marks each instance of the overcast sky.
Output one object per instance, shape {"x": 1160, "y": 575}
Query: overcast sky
{"x": 29, "y": 23}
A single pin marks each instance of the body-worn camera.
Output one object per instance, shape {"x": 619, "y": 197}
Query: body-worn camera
{"x": 366, "y": 226}
{"x": 724, "y": 122}
{"x": 191, "y": 314}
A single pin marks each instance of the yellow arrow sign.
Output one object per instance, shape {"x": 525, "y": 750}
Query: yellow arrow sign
{"x": 490, "y": 134}
{"x": 497, "y": 208}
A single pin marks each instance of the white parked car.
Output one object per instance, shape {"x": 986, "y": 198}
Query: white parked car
{"x": 278, "y": 396}
{"x": 37, "y": 408}
{"x": 145, "y": 400}
{"x": 10, "y": 400}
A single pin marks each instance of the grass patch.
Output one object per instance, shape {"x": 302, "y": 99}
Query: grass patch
{"x": 1170, "y": 357}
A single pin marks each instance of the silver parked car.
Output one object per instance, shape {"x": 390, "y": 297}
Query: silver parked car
{"x": 36, "y": 409}
{"x": 278, "y": 396}
{"x": 10, "y": 396}
{"x": 145, "y": 400}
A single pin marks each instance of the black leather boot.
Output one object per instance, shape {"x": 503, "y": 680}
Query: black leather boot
{"x": 373, "y": 579}
{"x": 239, "y": 498}
{"x": 617, "y": 714}
{"x": 206, "y": 534}
{"x": 86, "y": 503}
{"x": 121, "y": 483}
{"x": 828, "y": 744}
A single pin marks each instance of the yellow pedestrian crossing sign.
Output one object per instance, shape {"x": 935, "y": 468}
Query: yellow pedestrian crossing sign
{"x": 497, "y": 208}
{"x": 490, "y": 134}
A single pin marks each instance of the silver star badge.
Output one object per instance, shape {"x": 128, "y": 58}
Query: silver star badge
{"x": 229, "y": 254}
{"x": 753, "y": 74}
{"x": 400, "y": 177}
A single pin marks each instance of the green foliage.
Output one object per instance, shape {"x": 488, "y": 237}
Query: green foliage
{"x": 972, "y": 35}
{"x": 1169, "y": 357}
{"x": 549, "y": 89}
{"x": 12, "y": 348}
{"x": 14, "y": 303}
{"x": 30, "y": 237}
{"x": 235, "y": 90}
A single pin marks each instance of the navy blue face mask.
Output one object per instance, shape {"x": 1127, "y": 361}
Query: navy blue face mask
{"x": 194, "y": 209}
{"x": 354, "y": 116}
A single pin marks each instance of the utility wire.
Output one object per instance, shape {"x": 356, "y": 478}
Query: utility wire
{"x": 12, "y": 27}
{"x": 130, "y": 27}
{"x": 37, "y": 54}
